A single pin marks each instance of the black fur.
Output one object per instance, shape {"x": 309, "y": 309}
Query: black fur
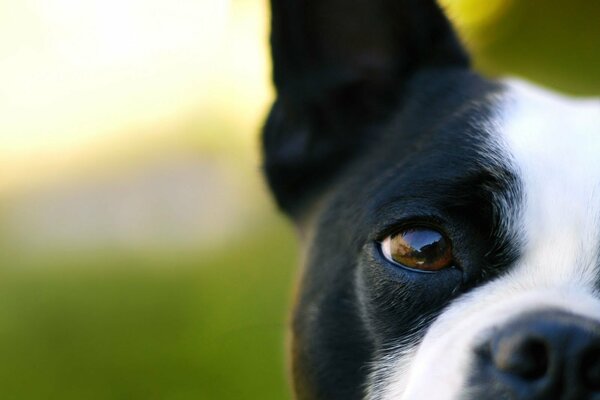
{"x": 377, "y": 124}
{"x": 354, "y": 305}
{"x": 340, "y": 68}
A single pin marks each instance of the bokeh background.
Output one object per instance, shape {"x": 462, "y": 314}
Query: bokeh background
{"x": 140, "y": 255}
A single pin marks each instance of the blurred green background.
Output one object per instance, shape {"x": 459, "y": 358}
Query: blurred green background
{"x": 140, "y": 255}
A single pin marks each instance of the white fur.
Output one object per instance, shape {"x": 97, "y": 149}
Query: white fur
{"x": 553, "y": 145}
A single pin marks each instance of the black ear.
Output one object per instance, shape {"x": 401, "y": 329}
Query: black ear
{"x": 339, "y": 67}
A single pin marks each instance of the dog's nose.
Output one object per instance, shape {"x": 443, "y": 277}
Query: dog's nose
{"x": 551, "y": 354}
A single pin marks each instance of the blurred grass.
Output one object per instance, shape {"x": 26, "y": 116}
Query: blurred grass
{"x": 135, "y": 326}
{"x": 553, "y": 43}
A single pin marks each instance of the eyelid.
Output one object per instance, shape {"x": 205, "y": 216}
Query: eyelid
{"x": 395, "y": 215}
{"x": 429, "y": 221}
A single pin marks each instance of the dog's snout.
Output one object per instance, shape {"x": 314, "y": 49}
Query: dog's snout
{"x": 551, "y": 354}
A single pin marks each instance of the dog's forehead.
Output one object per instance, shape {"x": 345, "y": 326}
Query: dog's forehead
{"x": 553, "y": 144}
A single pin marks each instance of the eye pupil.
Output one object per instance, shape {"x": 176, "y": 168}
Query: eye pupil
{"x": 419, "y": 248}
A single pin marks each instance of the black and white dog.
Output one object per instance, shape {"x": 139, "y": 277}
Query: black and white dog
{"x": 451, "y": 224}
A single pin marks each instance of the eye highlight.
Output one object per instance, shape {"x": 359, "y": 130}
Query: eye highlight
{"x": 418, "y": 248}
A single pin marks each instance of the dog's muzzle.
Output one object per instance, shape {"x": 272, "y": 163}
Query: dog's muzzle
{"x": 542, "y": 355}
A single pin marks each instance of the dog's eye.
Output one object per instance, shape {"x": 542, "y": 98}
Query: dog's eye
{"x": 423, "y": 249}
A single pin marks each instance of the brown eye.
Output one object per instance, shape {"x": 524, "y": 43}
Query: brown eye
{"x": 423, "y": 249}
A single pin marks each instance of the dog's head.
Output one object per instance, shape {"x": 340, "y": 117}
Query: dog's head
{"x": 451, "y": 224}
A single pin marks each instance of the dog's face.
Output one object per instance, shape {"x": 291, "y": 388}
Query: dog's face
{"x": 451, "y": 224}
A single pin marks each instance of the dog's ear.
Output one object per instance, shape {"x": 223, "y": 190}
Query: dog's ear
{"x": 339, "y": 67}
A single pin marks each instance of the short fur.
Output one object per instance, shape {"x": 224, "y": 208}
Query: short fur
{"x": 379, "y": 123}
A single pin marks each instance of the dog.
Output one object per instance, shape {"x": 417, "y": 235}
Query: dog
{"x": 450, "y": 224}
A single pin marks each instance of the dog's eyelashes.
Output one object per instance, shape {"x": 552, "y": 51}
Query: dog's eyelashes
{"x": 419, "y": 248}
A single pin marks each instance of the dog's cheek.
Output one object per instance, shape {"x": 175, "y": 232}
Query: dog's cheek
{"x": 398, "y": 305}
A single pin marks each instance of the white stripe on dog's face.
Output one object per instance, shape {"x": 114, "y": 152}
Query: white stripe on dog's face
{"x": 552, "y": 144}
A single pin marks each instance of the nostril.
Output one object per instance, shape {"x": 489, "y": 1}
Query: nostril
{"x": 523, "y": 356}
{"x": 591, "y": 369}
